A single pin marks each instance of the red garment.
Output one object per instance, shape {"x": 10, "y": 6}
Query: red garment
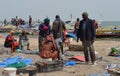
{"x": 9, "y": 38}
{"x": 64, "y": 33}
{"x": 96, "y": 25}
{"x": 10, "y": 42}
{"x": 14, "y": 45}
{"x": 45, "y": 28}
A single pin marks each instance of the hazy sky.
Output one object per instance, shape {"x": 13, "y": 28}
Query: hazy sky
{"x": 39, "y": 9}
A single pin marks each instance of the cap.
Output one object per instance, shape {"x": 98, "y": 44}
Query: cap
{"x": 46, "y": 20}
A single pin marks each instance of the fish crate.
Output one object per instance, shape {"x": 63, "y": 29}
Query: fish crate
{"x": 50, "y": 66}
{"x": 21, "y": 70}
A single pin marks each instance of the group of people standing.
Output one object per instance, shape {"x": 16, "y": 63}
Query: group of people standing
{"x": 51, "y": 38}
{"x": 84, "y": 29}
{"x": 54, "y": 34}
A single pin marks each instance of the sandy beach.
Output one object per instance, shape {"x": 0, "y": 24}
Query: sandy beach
{"x": 101, "y": 46}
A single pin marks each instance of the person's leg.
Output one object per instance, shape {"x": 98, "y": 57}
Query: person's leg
{"x": 84, "y": 43}
{"x": 21, "y": 47}
{"x": 40, "y": 43}
{"x": 92, "y": 52}
{"x": 61, "y": 47}
{"x": 60, "y": 54}
{"x": 21, "y": 44}
{"x": 28, "y": 46}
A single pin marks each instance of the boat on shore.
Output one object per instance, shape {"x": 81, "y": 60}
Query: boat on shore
{"x": 107, "y": 32}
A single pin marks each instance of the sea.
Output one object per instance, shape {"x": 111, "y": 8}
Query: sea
{"x": 109, "y": 23}
{"x": 106, "y": 24}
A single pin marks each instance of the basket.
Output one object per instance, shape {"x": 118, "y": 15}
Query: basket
{"x": 73, "y": 47}
{"x": 50, "y": 66}
{"x": 21, "y": 70}
{"x": 114, "y": 72}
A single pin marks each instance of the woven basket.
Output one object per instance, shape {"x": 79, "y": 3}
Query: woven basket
{"x": 113, "y": 72}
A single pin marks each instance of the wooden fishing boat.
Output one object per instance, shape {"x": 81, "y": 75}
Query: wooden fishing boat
{"x": 107, "y": 32}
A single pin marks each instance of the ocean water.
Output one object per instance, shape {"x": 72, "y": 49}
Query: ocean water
{"x": 109, "y": 23}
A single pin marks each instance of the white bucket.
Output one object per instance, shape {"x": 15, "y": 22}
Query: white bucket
{"x": 9, "y": 72}
{"x": 46, "y": 60}
{"x": 70, "y": 39}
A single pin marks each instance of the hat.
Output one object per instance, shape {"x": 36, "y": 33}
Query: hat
{"x": 46, "y": 20}
{"x": 85, "y": 13}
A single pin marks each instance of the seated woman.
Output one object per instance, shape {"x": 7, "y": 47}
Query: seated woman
{"x": 10, "y": 42}
{"x": 23, "y": 40}
{"x": 49, "y": 48}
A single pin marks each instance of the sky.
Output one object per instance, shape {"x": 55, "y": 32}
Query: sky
{"x": 105, "y": 10}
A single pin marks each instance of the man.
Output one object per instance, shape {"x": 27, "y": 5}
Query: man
{"x": 95, "y": 25}
{"x": 16, "y": 21}
{"x": 23, "y": 40}
{"x": 76, "y": 27}
{"x": 44, "y": 29}
{"x": 59, "y": 27}
{"x": 10, "y": 42}
{"x": 87, "y": 36}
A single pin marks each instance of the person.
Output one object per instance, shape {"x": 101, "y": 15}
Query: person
{"x": 49, "y": 49}
{"x": 23, "y": 40}
{"x": 59, "y": 42}
{"x": 44, "y": 29}
{"x": 5, "y": 22}
{"x": 11, "y": 42}
{"x": 16, "y": 21}
{"x": 30, "y": 21}
{"x": 95, "y": 24}
{"x": 59, "y": 27}
{"x": 87, "y": 36}
{"x": 76, "y": 27}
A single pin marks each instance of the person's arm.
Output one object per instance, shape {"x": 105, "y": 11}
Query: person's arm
{"x": 19, "y": 38}
{"x": 41, "y": 27}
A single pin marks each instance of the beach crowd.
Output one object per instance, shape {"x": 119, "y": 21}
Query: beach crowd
{"x": 52, "y": 39}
